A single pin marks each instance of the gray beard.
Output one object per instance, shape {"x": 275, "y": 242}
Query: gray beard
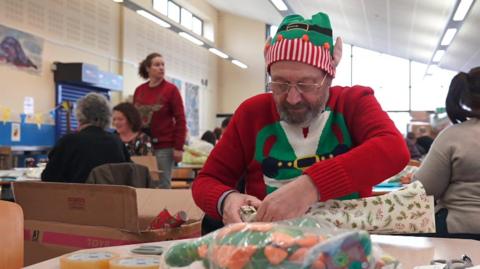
{"x": 302, "y": 120}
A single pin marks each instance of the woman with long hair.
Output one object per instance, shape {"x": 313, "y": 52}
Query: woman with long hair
{"x": 161, "y": 108}
{"x": 450, "y": 171}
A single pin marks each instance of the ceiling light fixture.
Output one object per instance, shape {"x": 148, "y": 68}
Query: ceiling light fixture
{"x": 462, "y": 10}
{"x": 438, "y": 56}
{"x": 176, "y": 27}
{"x": 218, "y": 53}
{"x": 118, "y": 1}
{"x": 191, "y": 38}
{"x": 448, "y": 36}
{"x": 153, "y": 18}
{"x": 280, "y": 5}
{"x": 239, "y": 64}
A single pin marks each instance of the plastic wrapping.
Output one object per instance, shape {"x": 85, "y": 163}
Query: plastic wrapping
{"x": 300, "y": 243}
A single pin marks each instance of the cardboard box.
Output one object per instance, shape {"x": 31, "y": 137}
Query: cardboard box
{"x": 63, "y": 217}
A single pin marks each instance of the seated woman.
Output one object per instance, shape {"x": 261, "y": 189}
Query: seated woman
{"x": 127, "y": 122}
{"x": 209, "y": 137}
{"x": 450, "y": 171}
{"x": 75, "y": 155}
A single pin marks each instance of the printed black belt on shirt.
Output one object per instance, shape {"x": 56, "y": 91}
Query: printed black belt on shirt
{"x": 270, "y": 165}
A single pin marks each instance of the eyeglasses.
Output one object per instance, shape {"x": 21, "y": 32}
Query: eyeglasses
{"x": 281, "y": 88}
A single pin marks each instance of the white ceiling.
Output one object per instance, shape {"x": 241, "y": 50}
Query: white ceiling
{"x": 409, "y": 29}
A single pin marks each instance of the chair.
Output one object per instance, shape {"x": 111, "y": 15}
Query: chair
{"x": 182, "y": 178}
{"x": 11, "y": 236}
{"x": 150, "y": 162}
{"x": 129, "y": 174}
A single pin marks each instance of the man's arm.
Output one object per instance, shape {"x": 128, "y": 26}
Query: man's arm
{"x": 379, "y": 149}
{"x": 220, "y": 174}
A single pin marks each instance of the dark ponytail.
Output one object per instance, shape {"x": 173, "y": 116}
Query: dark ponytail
{"x": 464, "y": 92}
{"x": 147, "y": 62}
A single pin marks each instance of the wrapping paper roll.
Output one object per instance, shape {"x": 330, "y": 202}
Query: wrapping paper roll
{"x": 408, "y": 210}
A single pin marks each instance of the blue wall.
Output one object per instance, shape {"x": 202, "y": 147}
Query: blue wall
{"x": 30, "y": 135}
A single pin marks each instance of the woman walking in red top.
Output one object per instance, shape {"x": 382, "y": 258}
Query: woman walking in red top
{"x": 161, "y": 107}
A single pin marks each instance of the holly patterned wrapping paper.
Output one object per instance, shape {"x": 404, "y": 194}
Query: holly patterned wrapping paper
{"x": 408, "y": 210}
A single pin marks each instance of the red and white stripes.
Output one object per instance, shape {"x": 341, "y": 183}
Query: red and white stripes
{"x": 300, "y": 51}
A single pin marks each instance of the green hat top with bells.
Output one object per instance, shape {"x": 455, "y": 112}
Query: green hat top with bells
{"x": 304, "y": 40}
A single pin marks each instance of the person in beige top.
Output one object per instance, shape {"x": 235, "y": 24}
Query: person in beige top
{"x": 451, "y": 169}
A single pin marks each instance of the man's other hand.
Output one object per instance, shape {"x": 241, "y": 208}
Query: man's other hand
{"x": 289, "y": 201}
{"x": 232, "y": 204}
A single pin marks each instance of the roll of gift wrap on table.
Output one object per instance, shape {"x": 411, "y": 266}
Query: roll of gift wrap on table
{"x": 408, "y": 210}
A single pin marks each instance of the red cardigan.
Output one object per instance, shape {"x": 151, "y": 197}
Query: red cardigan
{"x": 377, "y": 150}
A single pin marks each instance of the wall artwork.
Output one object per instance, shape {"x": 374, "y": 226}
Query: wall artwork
{"x": 191, "y": 107}
{"x": 20, "y": 50}
{"x": 178, "y": 83}
{"x": 15, "y": 136}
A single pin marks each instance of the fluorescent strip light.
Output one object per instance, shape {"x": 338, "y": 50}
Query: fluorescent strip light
{"x": 218, "y": 53}
{"x": 462, "y": 10}
{"x": 438, "y": 56}
{"x": 191, "y": 38}
{"x": 280, "y": 5}
{"x": 239, "y": 64}
{"x": 448, "y": 36}
{"x": 153, "y": 18}
{"x": 434, "y": 70}
{"x": 427, "y": 71}
{"x": 118, "y": 1}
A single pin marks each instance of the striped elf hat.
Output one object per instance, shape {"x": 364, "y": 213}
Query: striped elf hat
{"x": 301, "y": 40}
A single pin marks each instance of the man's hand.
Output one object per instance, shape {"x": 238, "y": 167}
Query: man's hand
{"x": 177, "y": 155}
{"x": 232, "y": 204}
{"x": 289, "y": 201}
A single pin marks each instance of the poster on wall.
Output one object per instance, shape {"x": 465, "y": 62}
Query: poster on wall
{"x": 20, "y": 50}
{"x": 15, "y": 137}
{"x": 191, "y": 106}
{"x": 178, "y": 83}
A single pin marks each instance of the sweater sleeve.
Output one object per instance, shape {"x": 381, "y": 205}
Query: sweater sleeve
{"x": 180, "y": 131}
{"x": 379, "y": 150}
{"x": 435, "y": 171}
{"x": 223, "y": 169}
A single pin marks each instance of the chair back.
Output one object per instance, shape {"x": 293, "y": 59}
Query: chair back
{"x": 11, "y": 235}
{"x": 150, "y": 162}
{"x": 129, "y": 174}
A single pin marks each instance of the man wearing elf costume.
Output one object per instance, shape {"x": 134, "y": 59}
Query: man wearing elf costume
{"x": 303, "y": 142}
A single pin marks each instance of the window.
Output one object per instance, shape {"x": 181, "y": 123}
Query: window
{"x": 386, "y": 75}
{"x": 272, "y": 30}
{"x": 197, "y": 25}
{"x": 401, "y": 120}
{"x": 343, "y": 74}
{"x": 161, "y": 6}
{"x": 429, "y": 91}
{"x": 183, "y": 16}
{"x": 186, "y": 18}
{"x": 174, "y": 11}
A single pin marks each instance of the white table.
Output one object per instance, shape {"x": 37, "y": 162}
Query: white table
{"x": 410, "y": 251}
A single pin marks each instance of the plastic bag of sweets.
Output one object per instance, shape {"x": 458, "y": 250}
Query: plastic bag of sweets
{"x": 300, "y": 243}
